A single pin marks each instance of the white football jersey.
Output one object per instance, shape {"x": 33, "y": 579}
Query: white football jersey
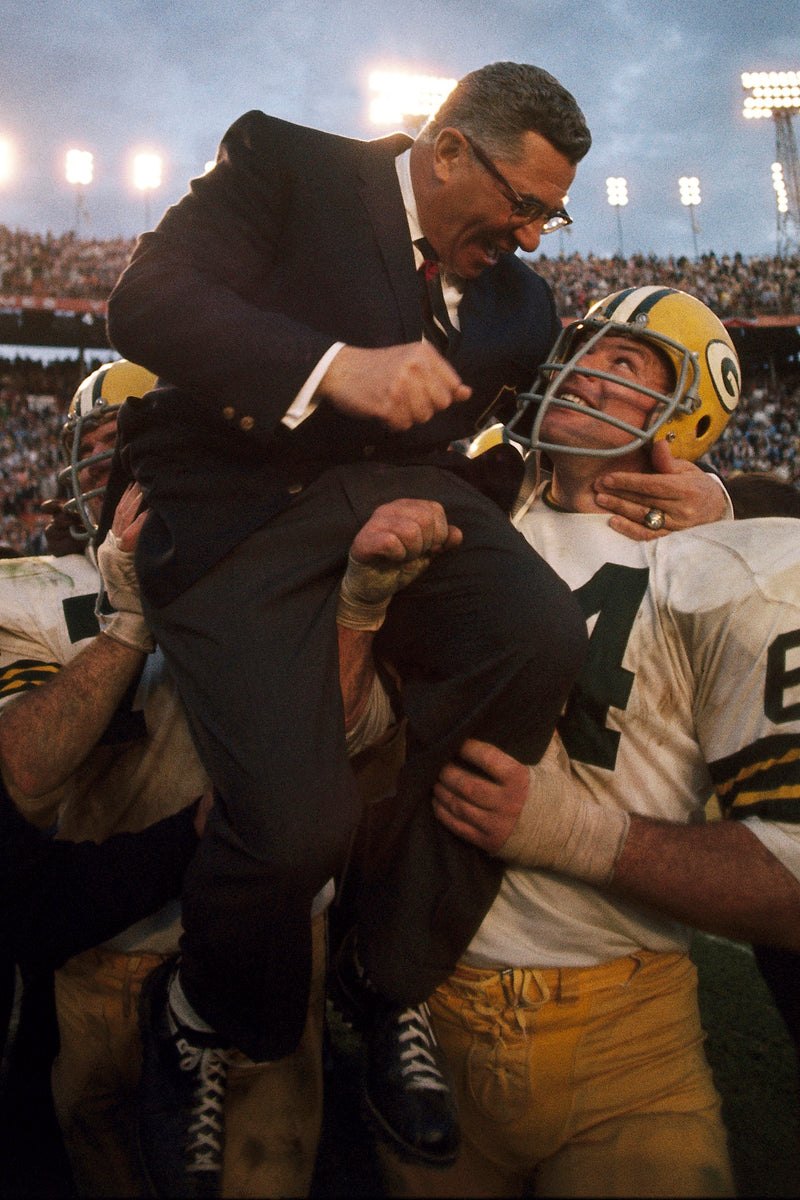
{"x": 691, "y": 686}
{"x": 145, "y": 766}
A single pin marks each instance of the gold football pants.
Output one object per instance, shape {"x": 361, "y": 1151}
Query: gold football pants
{"x": 578, "y": 1082}
{"x": 273, "y": 1111}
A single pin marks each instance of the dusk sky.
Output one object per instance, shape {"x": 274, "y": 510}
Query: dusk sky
{"x": 658, "y": 80}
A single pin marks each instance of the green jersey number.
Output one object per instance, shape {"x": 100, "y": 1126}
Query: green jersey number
{"x": 614, "y": 595}
{"x": 781, "y": 678}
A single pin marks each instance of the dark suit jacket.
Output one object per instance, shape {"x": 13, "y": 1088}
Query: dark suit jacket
{"x": 295, "y": 240}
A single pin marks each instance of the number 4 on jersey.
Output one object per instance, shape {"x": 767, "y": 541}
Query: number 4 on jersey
{"x": 614, "y": 595}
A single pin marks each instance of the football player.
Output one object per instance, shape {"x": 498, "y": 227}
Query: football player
{"x": 92, "y": 735}
{"x": 571, "y": 1023}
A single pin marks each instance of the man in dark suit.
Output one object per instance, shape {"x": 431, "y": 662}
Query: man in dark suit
{"x": 283, "y": 303}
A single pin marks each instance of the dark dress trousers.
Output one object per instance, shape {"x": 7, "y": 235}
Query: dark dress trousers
{"x": 295, "y": 240}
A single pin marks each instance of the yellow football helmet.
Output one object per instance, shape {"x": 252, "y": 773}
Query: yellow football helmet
{"x": 706, "y": 384}
{"x": 97, "y": 400}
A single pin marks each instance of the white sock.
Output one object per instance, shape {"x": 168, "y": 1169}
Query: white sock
{"x": 182, "y": 1009}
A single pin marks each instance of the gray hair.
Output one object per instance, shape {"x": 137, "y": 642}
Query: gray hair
{"x": 497, "y": 104}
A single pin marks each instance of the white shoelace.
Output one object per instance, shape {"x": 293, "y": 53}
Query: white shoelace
{"x": 204, "y": 1138}
{"x": 418, "y": 1058}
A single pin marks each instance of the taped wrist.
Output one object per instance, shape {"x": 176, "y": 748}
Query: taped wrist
{"x": 127, "y": 628}
{"x": 562, "y": 827}
{"x": 376, "y": 718}
{"x": 125, "y": 622}
{"x": 367, "y": 588}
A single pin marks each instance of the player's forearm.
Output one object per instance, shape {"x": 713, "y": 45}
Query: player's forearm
{"x": 47, "y": 732}
{"x": 356, "y": 671}
{"x": 717, "y": 877}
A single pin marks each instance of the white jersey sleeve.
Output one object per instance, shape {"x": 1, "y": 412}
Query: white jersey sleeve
{"x": 46, "y": 615}
{"x": 145, "y": 767}
{"x": 732, "y": 595}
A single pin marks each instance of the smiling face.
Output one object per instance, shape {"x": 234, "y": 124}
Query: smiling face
{"x": 630, "y": 361}
{"x": 466, "y": 215}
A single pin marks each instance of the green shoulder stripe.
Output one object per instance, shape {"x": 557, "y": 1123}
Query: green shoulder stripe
{"x": 25, "y": 673}
{"x": 761, "y": 780}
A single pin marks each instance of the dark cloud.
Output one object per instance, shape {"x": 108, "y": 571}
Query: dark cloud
{"x": 658, "y": 81}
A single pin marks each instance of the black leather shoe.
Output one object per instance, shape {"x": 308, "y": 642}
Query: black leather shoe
{"x": 408, "y": 1094}
{"x": 180, "y": 1120}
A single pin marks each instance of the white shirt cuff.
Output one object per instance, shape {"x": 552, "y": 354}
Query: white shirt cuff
{"x": 305, "y": 403}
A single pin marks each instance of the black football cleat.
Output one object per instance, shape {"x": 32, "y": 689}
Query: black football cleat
{"x": 180, "y": 1120}
{"x": 408, "y": 1094}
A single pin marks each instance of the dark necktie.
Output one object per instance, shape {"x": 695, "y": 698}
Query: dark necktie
{"x": 436, "y": 323}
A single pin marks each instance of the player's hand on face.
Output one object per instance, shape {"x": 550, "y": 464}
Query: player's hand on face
{"x": 58, "y": 532}
{"x": 400, "y": 386}
{"x": 479, "y": 798}
{"x": 685, "y": 494}
{"x": 129, "y": 517}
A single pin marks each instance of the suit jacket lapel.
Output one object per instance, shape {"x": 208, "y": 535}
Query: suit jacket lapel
{"x": 380, "y": 193}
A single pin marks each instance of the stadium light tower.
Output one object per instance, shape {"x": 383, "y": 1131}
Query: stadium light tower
{"x": 147, "y": 172}
{"x": 776, "y": 94}
{"x": 406, "y": 100}
{"x": 617, "y": 190}
{"x": 689, "y": 186}
{"x": 79, "y": 169}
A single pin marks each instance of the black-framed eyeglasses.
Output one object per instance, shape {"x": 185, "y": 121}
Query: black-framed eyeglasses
{"x": 526, "y": 207}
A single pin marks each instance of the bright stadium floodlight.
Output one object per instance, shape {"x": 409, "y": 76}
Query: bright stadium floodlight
{"x": 6, "y": 161}
{"x": 79, "y": 165}
{"x": 617, "y": 192}
{"x": 147, "y": 175}
{"x": 782, "y": 204}
{"x": 79, "y": 171}
{"x": 776, "y": 94}
{"x": 771, "y": 91}
{"x": 689, "y": 187}
{"x": 690, "y": 190}
{"x": 617, "y": 189}
{"x": 407, "y": 100}
{"x": 781, "y": 195}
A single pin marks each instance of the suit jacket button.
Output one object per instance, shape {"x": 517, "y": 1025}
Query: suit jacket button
{"x": 247, "y": 423}
{"x": 229, "y": 413}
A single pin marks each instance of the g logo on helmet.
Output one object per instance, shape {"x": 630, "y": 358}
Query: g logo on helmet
{"x": 724, "y": 373}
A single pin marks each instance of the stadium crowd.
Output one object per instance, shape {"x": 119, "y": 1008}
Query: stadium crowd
{"x": 763, "y": 435}
{"x": 33, "y": 401}
{"x": 731, "y": 285}
{"x": 67, "y": 266}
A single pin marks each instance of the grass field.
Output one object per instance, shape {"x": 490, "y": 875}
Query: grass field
{"x": 751, "y": 1054}
{"x": 755, "y": 1068}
